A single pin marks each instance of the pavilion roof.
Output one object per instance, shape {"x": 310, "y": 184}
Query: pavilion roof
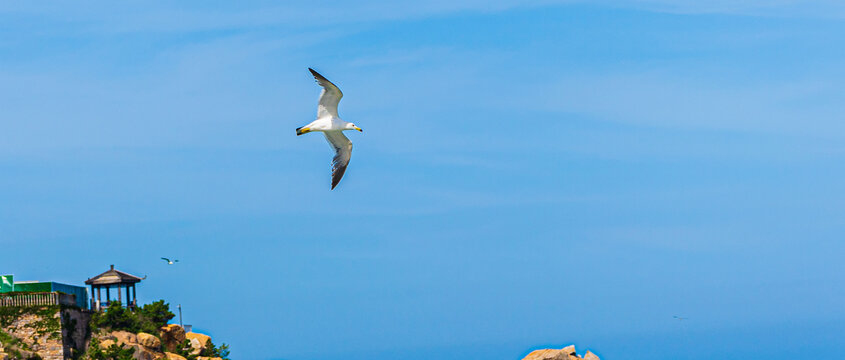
{"x": 112, "y": 277}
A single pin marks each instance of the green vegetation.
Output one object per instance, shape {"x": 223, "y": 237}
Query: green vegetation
{"x": 48, "y": 324}
{"x": 148, "y": 318}
{"x": 113, "y": 352}
{"x": 213, "y": 351}
{"x": 9, "y": 314}
{"x": 9, "y": 340}
{"x": 13, "y": 346}
{"x": 116, "y": 317}
{"x": 153, "y": 316}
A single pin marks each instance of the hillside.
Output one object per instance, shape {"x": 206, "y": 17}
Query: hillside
{"x": 60, "y": 332}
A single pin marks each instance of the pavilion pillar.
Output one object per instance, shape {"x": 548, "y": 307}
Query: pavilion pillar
{"x": 108, "y": 295}
{"x": 128, "y": 299}
{"x": 134, "y": 296}
{"x": 118, "y": 293}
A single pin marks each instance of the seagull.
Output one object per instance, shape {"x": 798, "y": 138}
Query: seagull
{"x": 680, "y": 318}
{"x": 332, "y": 126}
{"x": 170, "y": 262}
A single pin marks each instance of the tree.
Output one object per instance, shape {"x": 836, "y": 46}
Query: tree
{"x": 117, "y": 317}
{"x": 154, "y": 315}
{"x": 214, "y": 351}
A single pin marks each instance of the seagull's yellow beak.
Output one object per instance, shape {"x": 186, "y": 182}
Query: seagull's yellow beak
{"x": 302, "y": 130}
{"x": 359, "y": 129}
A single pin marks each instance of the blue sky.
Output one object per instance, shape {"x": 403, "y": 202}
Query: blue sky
{"x": 531, "y": 174}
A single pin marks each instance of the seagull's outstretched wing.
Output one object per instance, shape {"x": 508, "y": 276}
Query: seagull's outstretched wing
{"x": 166, "y": 259}
{"x": 342, "y": 153}
{"x": 329, "y": 98}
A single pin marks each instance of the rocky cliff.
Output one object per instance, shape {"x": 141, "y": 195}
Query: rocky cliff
{"x": 172, "y": 343}
{"x": 65, "y": 333}
{"x": 45, "y": 332}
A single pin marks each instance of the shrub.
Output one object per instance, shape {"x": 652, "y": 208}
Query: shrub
{"x": 116, "y": 317}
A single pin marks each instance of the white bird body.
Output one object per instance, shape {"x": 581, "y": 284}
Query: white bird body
{"x": 331, "y": 125}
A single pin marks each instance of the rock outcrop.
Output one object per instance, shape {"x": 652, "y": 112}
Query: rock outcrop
{"x": 148, "y": 346}
{"x": 149, "y": 341}
{"x": 567, "y": 353}
{"x": 172, "y": 336}
{"x": 201, "y": 340}
{"x": 124, "y": 337}
{"x": 172, "y": 356}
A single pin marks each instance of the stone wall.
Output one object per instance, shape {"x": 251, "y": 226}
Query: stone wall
{"x": 75, "y": 331}
{"x": 33, "y": 330}
{"x": 51, "y": 332}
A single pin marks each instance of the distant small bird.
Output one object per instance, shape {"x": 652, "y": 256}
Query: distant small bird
{"x": 680, "y": 318}
{"x": 170, "y": 262}
{"x": 332, "y": 126}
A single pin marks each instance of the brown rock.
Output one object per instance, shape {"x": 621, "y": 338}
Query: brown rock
{"x": 143, "y": 353}
{"x": 149, "y": 341}
{"x": 569, "y": 350}
{"x": 590, "y": 356}
{"x": 547, "y": 354}
{"x": 124, "y": 337}
{"x": 208, "y": 358}
{"x": 201, "y": 338}
{"x": 107, "y": 343}
{"x": 201, "y": 342}
{"x": 172, "y": 356}
{"x": 172, "y": 337}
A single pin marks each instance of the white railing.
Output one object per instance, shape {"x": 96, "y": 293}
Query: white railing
{"x": 37, "y": 299}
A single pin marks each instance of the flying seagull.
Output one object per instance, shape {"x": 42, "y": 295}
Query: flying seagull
{"x": 680, "y": 318}
{"x": 332, "y": 126}
{"x": 170, "y": 262}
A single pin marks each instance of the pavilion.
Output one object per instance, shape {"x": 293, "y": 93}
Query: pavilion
{"x": 113, "y": 279}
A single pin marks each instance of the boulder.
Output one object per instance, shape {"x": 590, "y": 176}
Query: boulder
{"x": 590, "y": 356}
{"x": 107, "y": 343}
{"x": 172, "y": 356}
{"x": 567, "y": 353}
{"x": 547, "y": 354}
{"x": 124, "y": 337}
{"x": 172, "y": 336}
{"x": 208, "y": 358}
{"x": 196, "y": 346}
{"x": 143, "y": 353}
{"x": 149, "y": 341}
{"x": 201, "y": 338}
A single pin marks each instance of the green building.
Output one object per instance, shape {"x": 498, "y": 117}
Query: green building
{"x": 7, "y": 284}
